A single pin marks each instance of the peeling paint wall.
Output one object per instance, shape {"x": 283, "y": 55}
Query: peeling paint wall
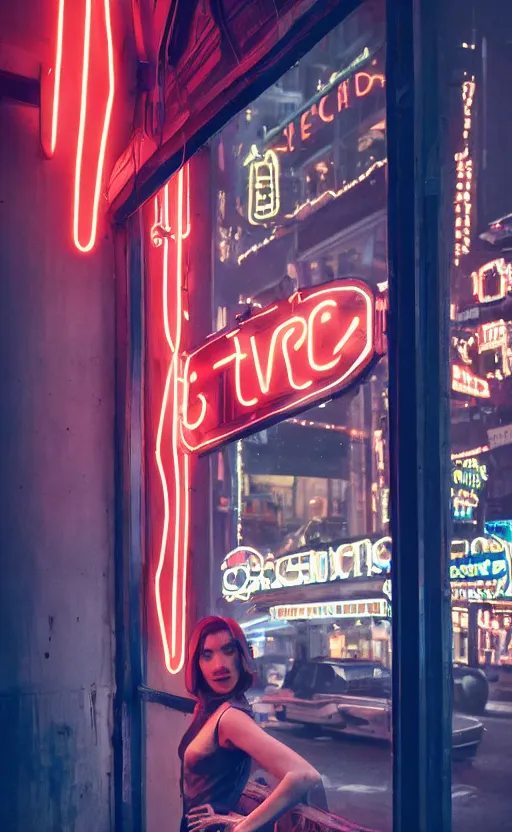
{"x": 57, "y": 316}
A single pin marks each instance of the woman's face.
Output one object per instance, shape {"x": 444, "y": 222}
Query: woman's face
{"x": 219, "y": 662}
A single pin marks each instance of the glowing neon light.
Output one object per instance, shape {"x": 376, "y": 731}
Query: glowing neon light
{"x": 463, "y": 381}
{"x": 173, "y": 548}
{"x": 89, "y": 245}
{"x": 264, "y": 195}
{"x": 245, "y": 571}
{"x": 493, "y": 337}
{"x": 378, "y": 608}
{"x": 464, "y": 169}
{"x": 309, "y": 204}
{"x": 497, "y": 270}
{"x": 300, "y": 350}
{"x": 337, "y": 100}
{"x": 57, "y": 77}
{"x": 482, "y": 449}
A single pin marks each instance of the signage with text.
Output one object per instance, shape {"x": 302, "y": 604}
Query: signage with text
{"x": 482, "y": 565}
{"x": 377, "y": 608}
{"x": 278, "y": 361}
{"x": 469, "y": 476}
{"x": 246, "y": 571}
{"x": 484, "y": 561}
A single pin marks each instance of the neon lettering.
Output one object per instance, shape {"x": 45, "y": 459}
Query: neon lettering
{"x": 335, "y": 101}
{"x": 321, "y": 110}
{"x": 499, "y": 271}
{"x": 297, "y": 351}
{"x": 305, "y": 127}
{"x": 467, "y": 383}
{"x": 364, "y": 82}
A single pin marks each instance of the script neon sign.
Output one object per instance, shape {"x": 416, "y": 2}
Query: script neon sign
{"x": 296, "y": 352}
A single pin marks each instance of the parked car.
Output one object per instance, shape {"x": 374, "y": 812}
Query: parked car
{"x": 352, "y": 698}
{"x": 470, "y": 689}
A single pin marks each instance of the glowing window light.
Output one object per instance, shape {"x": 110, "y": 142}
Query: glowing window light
{"x": 464, "y": 171}
{"x": 173, "y": 550}
{"x": 89, "y": 244}
{"x": 467, "y": 383}
{"x": 264, "y": 194}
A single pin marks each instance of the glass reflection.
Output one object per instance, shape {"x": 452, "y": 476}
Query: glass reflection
{"x": 301, "y": 551}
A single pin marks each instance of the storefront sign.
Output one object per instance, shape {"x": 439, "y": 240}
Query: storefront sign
{"x": 376, "y": 608}
{"x": 246, "y": 571}
{"x": 279, "y": 360}
{"x": 466, "y": 382}
{"x": 493, "y": 337}
{"x": 469, "y": 476}
{"x": 500, "y": 436}
{"x": 339, "y": 98}
{"x": 485, "y": 561}
{"x": 479, "y": 566}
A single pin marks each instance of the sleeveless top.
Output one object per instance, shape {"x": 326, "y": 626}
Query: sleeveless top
{"x": 217, "y": 775}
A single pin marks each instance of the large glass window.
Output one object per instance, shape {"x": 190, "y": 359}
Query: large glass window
{"x": 478, "y": 38}
{"x": 300, "y": 552}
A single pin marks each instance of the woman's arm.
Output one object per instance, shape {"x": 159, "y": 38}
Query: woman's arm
{"x": 296, "y": 776}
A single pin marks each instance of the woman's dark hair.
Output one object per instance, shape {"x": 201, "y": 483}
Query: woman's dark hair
{"x": 194, "y": 679}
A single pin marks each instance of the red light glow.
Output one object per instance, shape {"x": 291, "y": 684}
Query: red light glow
{"x": 87, "y": 94}
{"x": 57, "y": 76}
{"x": 312, "y": 345}
{"x": 171, "y": 572}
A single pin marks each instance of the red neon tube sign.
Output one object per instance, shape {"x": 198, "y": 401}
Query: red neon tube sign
{"x": 86, "y": 28}
{"x": 286, "y": 357}
{"x": 170, "y": 229}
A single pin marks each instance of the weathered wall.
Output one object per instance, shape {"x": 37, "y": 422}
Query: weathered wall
{"x": 57, "y": 314}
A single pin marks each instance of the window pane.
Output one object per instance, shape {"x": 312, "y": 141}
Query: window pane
{"x": 300, "y": 547}
{"x": 478, "y": 174}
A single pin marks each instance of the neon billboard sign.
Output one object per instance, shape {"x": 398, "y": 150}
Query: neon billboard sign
{"x": 246, "y": 571}
{"x": 280, "y": 360}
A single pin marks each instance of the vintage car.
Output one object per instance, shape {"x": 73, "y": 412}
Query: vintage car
{"x": 351, "y": 697}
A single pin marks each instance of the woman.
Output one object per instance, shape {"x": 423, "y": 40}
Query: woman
{"x": 217, "y": 750}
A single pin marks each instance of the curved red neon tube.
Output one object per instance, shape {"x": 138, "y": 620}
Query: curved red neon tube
{"x": 57, "y": 77}
{"x": 89, "y": 244}
{"x": 175, "y": 626}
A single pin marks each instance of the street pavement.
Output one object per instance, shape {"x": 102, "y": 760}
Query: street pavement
{"x": 357, "y": 777}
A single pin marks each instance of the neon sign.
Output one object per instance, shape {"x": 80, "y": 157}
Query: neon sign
{"x": 485, "y": 561}
{"x": 377, "y": 608}
{"x": 498, "y": 273}
{"x": 492, "y": 337}
{"x": 246, "y": 571}
{"x": 328, "y": 107}
{"x": 467, "y": 383}
{"x": 468, "y": 480}
{"x": 281, "y": 359}
{"x": 264, "y": 196}
{"x": 97, "y": 91}
{"x": 463, "y": 188}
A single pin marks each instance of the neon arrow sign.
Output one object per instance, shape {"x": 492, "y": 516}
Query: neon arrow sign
{"x": 308, "y": 347}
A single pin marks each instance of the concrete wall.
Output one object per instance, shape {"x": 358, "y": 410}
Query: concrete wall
{"x": 57, "y": 315}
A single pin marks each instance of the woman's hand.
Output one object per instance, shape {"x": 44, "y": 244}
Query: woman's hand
{"x": 205, "y": 817}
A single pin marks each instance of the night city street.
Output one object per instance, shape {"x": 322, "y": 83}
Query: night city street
{"x": 357, "y": 778}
